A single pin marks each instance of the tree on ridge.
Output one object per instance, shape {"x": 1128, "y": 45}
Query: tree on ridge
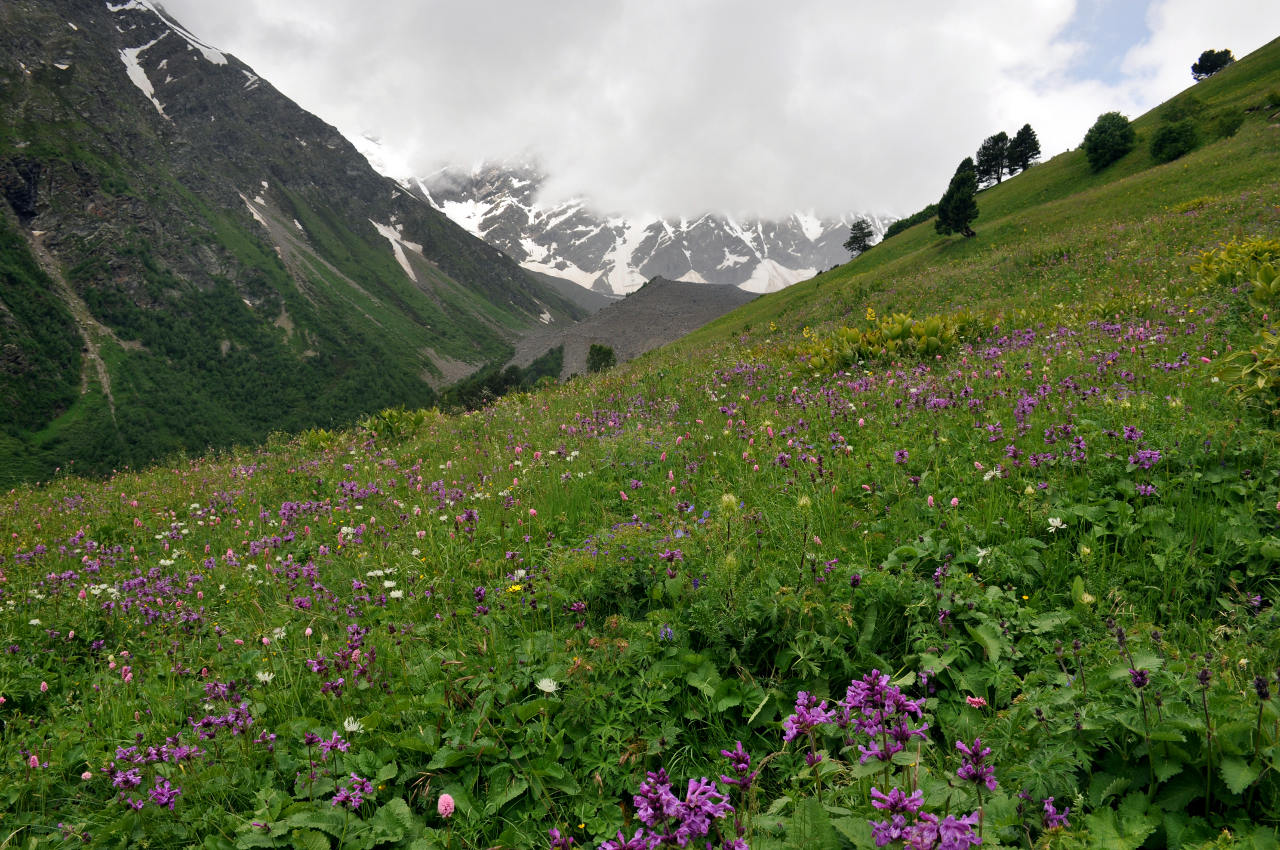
{"x": 959, "y": 208}
{"x": 1024, "y": 149}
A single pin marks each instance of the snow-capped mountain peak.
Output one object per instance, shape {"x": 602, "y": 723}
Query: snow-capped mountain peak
{"x": 615, "y": 255}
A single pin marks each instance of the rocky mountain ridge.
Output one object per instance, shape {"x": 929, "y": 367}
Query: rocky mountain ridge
{"x": 192, "y": 260}
{"x": 616, "y": 255}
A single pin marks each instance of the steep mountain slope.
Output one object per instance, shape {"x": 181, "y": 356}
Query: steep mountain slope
{"x": 192, "y": 260}
{"x": 657, "y": 313}
{"x": 616, "y": 255}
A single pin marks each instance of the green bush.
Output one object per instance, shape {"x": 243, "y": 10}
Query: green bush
{"x": 1226, "y": 123}
{"x": 1173, "y": 140}
{"x": 600, "y": 357}
{"x": 1110, "y": 138}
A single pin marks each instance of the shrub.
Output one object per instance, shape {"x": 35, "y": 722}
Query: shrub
{"x": 1110, "y": 138}
{"x": 600, "y": 357}
{"x": 1226, "y": 123}
{"x": 1173, "y": 140}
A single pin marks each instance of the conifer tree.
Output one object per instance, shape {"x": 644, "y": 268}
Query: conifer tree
{"x": 958, "y": 207}
{"x": 1023, "y": 150}
{"x": 860, "y": 236}
{"x": 992, "y": 158}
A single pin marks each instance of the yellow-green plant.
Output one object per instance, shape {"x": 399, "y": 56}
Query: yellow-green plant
{"x": 1254, "y": 374}
{"x": 1237, "y": 261}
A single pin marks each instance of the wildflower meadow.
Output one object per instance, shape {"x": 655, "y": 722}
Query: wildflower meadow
{"x": 883, "y": 561}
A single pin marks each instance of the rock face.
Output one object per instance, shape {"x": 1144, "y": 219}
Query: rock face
{"x": 190, "y": 259}
{"x": 659, "y": 312}
{"x": 617, "y": 255}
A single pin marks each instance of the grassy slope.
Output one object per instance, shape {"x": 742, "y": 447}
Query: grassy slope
{"x": 662, "y": 556}
{"x": 1061, "y": 208}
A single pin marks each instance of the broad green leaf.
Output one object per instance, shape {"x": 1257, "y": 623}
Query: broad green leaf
{"x": 1237, "y": 773}
{"x": 499, "y": 797}
{"x": 393, "y": 820}
{"x": 447, "y": 757}
{"x": 856, "y": 830}
{"x": 811, "y": 827}
{"x": 986, "y": 636}
{"x": 329, "y": 820}
{"x": 309, "y": 839}
{"x": 728, "y": 694}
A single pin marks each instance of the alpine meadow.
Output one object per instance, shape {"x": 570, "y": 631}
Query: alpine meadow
{"x": 971, "y": 541}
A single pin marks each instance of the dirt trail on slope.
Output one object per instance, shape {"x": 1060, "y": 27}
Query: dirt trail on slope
{"x": 91, "y": 330}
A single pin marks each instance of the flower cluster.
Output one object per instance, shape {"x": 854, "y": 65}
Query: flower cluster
{"x": 975, "y": 769}
{"x": 880, "y": 711}
{"x": 353, "y": 794}
{"x": 669, "y": 820}
{"x": 918, "y": 829}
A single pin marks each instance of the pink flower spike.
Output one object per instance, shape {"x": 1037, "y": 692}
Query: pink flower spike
{"x": 955, "y": 503}
{"x": 931, "y": 501}
{"x": 976, "y": 702}
{"x": 445, "y": 806}
{"x": 44, "y": 687}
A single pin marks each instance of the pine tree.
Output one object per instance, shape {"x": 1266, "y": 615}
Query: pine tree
{"x": 993, "y": 155}
{"x": 860, "y": 236}
{"x": 958, "y": 207}
{"x": 1210, "y": 63}
{"x": 1023, "y": 150}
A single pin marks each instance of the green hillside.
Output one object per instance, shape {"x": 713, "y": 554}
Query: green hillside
{"x": 966, "y": 539}
{"x": 193, "y": 273}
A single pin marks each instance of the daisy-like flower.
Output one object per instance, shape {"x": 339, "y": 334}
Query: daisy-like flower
{"x": 265, "y": 677}
{"x": 352, "y": 725}
{"x": 548, "y": 685}
{"x": 1055, "y": 523}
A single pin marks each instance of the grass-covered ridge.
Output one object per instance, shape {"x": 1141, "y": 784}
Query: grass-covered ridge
{"x": 1056, "y": 536}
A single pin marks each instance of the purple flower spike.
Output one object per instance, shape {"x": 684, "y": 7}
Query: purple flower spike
{"x": 897, "y": 801}
{"x": 1054, "y": 819}
{"x": 975, "y": 769}
{"x": 809, "y": 715}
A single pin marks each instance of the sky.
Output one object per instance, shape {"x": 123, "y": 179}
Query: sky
{"x": 678, "y": 107}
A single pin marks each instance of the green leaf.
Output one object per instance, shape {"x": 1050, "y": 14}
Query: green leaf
{"x": 1238, "y": 773}
{"x": 1106, "y": 834}
{"x": 386, "y": 772}
{"x": 309, "y": 839}
{"x": 328, "y": 819}
{"x": 985, "y": 634}
{"x": 728, "y": 694}
{"x": 393, "y": 820}
{"x": 705, "y": 679}
{"x": 856, "y": 830}
{"x": 447, "y": 757}
{"x": 499, "y": 797}
{"x": 811, "y": 827}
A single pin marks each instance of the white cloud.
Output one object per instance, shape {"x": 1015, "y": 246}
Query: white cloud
{"x": 739, "y": 105}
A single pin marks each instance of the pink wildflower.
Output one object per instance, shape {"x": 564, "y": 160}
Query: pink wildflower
{"x": 445, "y": 806}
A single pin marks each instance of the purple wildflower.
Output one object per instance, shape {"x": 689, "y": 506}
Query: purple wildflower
{"x": 975, "y": 769}
{"x": 808, "y": 716}
{"x": 1054, "y": 819}
{"x": 897, "y": 801}
{"x": 740, "y": 761}
{"x": 164, "y": 795}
